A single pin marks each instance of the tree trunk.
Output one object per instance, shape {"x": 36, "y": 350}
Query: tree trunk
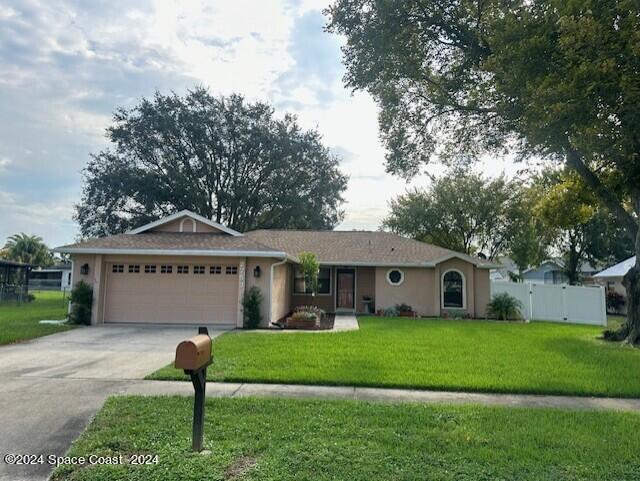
{"x": 631, "y": 282}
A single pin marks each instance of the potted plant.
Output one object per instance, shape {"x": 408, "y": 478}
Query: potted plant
{"x": 405, "y": 310}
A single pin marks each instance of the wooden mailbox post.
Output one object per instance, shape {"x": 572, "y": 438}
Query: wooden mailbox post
{"x": 194, "y": 356}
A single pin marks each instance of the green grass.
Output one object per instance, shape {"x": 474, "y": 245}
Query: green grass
{"x": 19, "y": 322}
{"x": 280, "y": 440}
{"x": 615, "y": 322}
{"x": 480, "y": 356}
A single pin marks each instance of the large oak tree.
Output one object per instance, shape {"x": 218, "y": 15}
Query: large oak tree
{"x": 462, "y": 211}
{"x": 552, "y": 78}
{"x": 235, "y": 162}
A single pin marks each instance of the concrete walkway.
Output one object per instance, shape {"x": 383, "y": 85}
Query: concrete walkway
{"x": 345, "y": 322}
{"x": 381, "y": 395}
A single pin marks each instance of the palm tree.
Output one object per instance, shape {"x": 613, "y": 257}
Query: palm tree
{"x": 29, "y": 249}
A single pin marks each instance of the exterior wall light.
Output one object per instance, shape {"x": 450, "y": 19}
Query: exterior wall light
{"x": 256, "y": 272}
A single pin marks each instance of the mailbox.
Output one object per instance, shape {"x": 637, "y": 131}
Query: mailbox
{"x": 194, "y": 353}
{"x": 194, "y": 356}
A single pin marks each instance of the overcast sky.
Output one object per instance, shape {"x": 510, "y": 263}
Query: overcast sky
{"x": 66, "y": 65}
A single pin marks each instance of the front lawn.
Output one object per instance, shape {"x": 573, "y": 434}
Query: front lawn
{"x": 279, "y": 440}
{"x": 615, "y": 322}
{"x": 19, "y": 322}
{"x": 433, "y": 354}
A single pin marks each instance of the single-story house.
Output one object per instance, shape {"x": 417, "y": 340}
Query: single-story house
{"x": 185, "y": 268}
{"x": 611, "y": 278}
{"x": 56, "y": 277}
{"x": 551, "y": 271}
{"x": 505, "y": 270}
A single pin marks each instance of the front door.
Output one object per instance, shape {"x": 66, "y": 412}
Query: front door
{"x": 346, "y": 288}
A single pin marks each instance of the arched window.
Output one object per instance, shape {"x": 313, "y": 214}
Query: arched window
{"x": 453, "y": 290}
{"x": 184, "y": 228}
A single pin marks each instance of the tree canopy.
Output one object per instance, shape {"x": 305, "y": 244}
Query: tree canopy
{"x": 553, "y": 78}
{"x": 576, "y": 224}
{"x": 29, "y": 249}
{"x": 224, "y": 158}
{"x": 461, "y": 211}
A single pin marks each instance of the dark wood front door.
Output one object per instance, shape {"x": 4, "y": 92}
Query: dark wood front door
{"x": 346, "y": 287}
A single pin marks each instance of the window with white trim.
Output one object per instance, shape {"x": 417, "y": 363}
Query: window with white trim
{"x": 215, "y": 270}
{"x": 232, "y": 270}
{"x": 453, "y": 290}
{"x": 117, "y": 268}
{"x": 166, "y": 269}
{"x": 134, "y": 268}
{"x": 183, "y": 269}
{"x": 150, "y": 269}
{"x": 198, "y": 269}
{"x": 395, "y": 277}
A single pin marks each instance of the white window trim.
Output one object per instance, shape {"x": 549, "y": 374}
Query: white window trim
{"x": 464, "y": 290}
{"x": 193, "y": 224}
{"x": 401, "y": 277}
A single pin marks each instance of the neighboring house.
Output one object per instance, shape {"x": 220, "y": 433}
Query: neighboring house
{"x": 611, "y": 278}
{"x": 188, "y": 269}
{"x": 54, "y": 278}
{"x": 505, "y": 270}
{"x": 551, "y": 271}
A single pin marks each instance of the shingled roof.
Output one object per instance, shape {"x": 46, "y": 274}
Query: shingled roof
{"x": 178, "y": 242}
{"x": 331, "y": 247}
{"x": 358, "y": 247}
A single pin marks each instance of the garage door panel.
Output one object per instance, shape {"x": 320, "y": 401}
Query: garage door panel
{"x": 170, "y": 298}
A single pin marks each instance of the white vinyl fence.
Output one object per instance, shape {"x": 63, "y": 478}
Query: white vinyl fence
{"x": 558, "y": 303}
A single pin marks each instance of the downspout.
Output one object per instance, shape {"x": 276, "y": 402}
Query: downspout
{"x": 273, "y": 266}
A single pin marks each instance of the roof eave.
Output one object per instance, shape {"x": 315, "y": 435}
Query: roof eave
{"x": 172, "y": 252}
{"x": 183, "y": 213}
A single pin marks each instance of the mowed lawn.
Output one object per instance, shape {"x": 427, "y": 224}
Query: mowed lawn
{"x": 19, "y": 322}
{"x": 279, "y": 440}
{"x": 483, "y": 356}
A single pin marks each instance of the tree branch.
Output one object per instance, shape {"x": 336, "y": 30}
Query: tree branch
{"x": 575, "y": 162}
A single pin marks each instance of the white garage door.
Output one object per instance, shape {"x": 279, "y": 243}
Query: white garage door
{"x": 172, "y": 293}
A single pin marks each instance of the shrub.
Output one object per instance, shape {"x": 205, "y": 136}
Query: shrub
{"x": 81, "y": 302}
{"x": 455, "y": 314}
{"x": 311, "y": 312}
{"x": 390, "y": 312}
{"x": 251, "y": 307}
{"x": 303, "y": 316}
{"x": 615, "y": 302}
{"x": 504, "y": 306}
{"x": 403, "y": 307}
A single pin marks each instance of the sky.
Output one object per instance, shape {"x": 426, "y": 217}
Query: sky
{"x": 65, "y": 66}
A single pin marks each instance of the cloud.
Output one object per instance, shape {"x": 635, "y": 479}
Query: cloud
{"x": 66, "y": 65}
{"x": 315, "y": 76}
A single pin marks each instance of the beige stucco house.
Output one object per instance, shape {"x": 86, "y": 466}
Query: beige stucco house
{"x": 188, "y": 269}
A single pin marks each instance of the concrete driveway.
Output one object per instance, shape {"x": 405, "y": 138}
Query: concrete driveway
{"x": 51, "y": 387}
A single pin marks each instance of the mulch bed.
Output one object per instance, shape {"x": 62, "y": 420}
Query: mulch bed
{"x": 325, "y": 324}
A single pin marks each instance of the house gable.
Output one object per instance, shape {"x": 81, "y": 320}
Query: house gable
{"x": 187, "y": 224}
{"x": 185, "y": 221}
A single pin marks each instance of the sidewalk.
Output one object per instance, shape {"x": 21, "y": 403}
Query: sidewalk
{"x": 380, "y": 394}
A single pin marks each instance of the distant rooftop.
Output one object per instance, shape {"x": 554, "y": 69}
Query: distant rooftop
{"x": 619, "y": 270}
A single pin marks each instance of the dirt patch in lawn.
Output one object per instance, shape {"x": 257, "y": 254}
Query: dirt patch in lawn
{"x": 239, "y": 467}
